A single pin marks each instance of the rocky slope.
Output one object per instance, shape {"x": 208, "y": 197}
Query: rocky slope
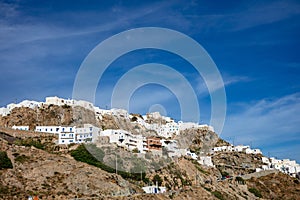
{"x": 47, "y": 170}
{"x": 53, "y": 174}
{"x": 48, "y": 175}
{"x": 48, "y": 115}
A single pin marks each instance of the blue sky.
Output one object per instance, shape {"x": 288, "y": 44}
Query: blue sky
{"x": 255, "y": 45}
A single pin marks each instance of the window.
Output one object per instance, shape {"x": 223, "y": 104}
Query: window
{"x": 57, "y": 129}
{"x": 46, "y": 130}
{"x": 70, "y": 129}
{"x": 63, "y": 141}
{"x": 63, "y": 129}
{"x": 71, "y": 140}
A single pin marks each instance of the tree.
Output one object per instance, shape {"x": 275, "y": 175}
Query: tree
{"x": 157, "y": 179}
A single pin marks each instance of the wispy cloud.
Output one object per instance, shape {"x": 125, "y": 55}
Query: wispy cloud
{"x": 267, "y": 123}
{"x": 248, "y": 16}
{"x": 227, "y": 81}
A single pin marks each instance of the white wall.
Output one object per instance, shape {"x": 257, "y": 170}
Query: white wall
{"x": 24, "y": 128}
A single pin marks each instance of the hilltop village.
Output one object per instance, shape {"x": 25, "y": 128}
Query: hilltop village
{"x": 154, "y": 152}
{"x": 166, "y": 130}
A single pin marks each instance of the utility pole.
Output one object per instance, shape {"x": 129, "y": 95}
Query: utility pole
{"x": 116, "y": 164}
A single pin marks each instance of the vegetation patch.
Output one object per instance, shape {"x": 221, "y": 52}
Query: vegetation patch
{"x": 5, "y": 162}
{"x": 240, "y": 180}
{"x": 22, "y": 158}
{"x": 256, "y": 192}
{"x": 218, "y": 195}
{"x": 197, "y": 165}
{"x": 83, "y": 155}
{"x": 30, "y": 142}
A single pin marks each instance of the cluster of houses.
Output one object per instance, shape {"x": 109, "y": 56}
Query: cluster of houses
{"x": 238, "y": 148}
{"x": 165, "y": 128}
{"x": 170, "y": 127}
{"x": 286, "y": 166}
{"x": 4, "y": 111}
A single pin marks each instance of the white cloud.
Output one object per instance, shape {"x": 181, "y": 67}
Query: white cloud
{"x": 268, "y": 123}
{"x": 227, "y": 81}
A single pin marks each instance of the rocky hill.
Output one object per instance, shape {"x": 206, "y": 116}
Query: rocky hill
{"x": 37, "y": 166}
{"x": 41, "y": 168}
{"x": 48, "y": 115}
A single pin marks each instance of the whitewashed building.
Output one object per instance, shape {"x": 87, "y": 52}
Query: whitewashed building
{"x": 4, "y": 111}
{"x": 23, "y": 128}
{"x": 205, "y": 160}
{"x": 72, "y": 134}
{"x": 241, "y": 148}
{"x": 126, "y": 139}
{"x": 253, "y": 151}
{"x": 192, "y": 155}
{"x": 154, "y": 189}
{"x": 187, "y": 125}
{"x": 70, "y": 102}
{"x": 88, "y": 133}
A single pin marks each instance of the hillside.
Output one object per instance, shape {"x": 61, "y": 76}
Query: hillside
{"x": 53, "y": 173}
{"x": 36, "y": 165}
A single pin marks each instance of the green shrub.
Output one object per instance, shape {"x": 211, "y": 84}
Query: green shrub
{"x": 240, "y": 180}
{"x": 22, "y": 158}
{"x": 83, "y": 155}
{"x": 5, "y": 162}
{"x": 223, "y": 173}
{"x": 218, "y": 195}
{"x": 135, "y": 150}
{"x": 30, "y": 142}
{"x": 256, "y": 192}
{"x": 157, "y": 179}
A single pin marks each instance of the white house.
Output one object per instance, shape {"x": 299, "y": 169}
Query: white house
{"x": 265, "y": 160}
{"x": 55, "y": 101}
{"x": 70, "y": 102}
{"x": 186, "y": 125}
{"x": 72, "y": 134}
{"x": 4, "y": 111}
{"x": 169, "y": 129}
{"x": 24, "y": 128}
{"x": 241, "y": 148}
{"x": 206, "y": 160}
{"x": 253, "y": 151}
{"x": 55, "y": 129}
{"x": 192, "y": 155}
{"x": 88, "y": 133}
{"x": 154, "y": 189}
{"x": 66, "y": 137}
{"x": 229, "y": 148}
{"x": 126, "y": 139}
